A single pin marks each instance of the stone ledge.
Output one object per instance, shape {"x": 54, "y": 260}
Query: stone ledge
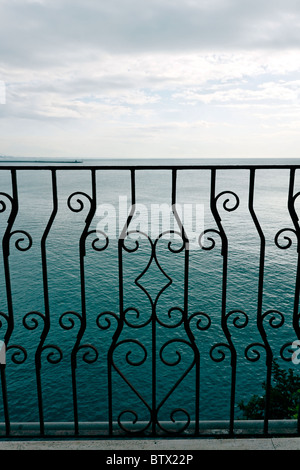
{"x": 155, "y": 444}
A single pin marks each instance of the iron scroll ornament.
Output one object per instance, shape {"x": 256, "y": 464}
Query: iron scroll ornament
{"x": 76, "y": 203}
{"x": 176, "y": 317}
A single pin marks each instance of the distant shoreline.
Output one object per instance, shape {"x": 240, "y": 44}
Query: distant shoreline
{"x": 4, "y": 160}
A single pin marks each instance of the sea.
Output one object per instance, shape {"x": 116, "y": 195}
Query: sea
{"x": 149, "y": 365}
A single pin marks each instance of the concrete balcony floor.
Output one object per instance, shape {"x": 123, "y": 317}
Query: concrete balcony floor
{"x": 156, "y": 445}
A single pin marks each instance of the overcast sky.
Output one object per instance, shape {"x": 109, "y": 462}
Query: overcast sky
{"x": 150, "y": 78}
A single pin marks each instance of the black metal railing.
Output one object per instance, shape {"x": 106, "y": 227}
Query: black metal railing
{"x": 149, "y": 335}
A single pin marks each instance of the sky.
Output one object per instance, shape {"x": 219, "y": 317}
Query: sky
{"x": 150, "y": 78}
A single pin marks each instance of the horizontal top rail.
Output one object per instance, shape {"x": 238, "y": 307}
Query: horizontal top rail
{"x": 42, "y": 166}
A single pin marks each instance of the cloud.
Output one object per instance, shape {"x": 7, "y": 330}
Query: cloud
{"x": 173, "y": 72}
{"x": 51, "y": 32}
{"x": 114, "y": 86}
{"x": 267, "y": 92}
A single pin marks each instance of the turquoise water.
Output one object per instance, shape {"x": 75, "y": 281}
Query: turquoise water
{"x": 102, "y": 294}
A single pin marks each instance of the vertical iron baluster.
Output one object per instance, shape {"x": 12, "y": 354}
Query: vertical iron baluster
{"x": 154, "y": 368}
{"x": 10, "y": 326}
{"x": 118, "y": 331}
{"x": 186, "y": 287}
{"x": 224, "y": 252}
{"x": 269, "y": 354}
{"x": 291, "y": 207}
{"x": 46, "y": 301}
{"x": 82, "y": 252}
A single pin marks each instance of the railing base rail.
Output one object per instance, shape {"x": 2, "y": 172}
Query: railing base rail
{"x": 100, "y": 429}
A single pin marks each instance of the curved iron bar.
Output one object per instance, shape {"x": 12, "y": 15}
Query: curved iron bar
{"x": 237, "y": 318}
{"x": 136, "y": 247}
{"x": 295, "y": 219}
{"x": 226, "y": 206}
{"x": 183, "y": 427}
{"x": 27, "y": 239}
{"x": 46, "y": 316}
{"x": 213, "y": 243}
{"x": 186, "y": 320}
{"x": 135, "y": 364}
{"x": 207, "y": 248}
{"x": 256, "y": 352}
{"x": 10, "y": 317}
{"x": 152, "y": 257}
{"x": 178, "y": 381}
{"x": 134, "y": 421}
{"x": 82, "y": 252}
{"x": 272, "y": 321}
{"x": 121, "y": 246}
{"x": 129, "y": 353}
{"x": 198, "y": 323}
{"x": 221, "y": 353}
{"x": 260, "y": 316}
{"x": 169, "y": 232}
{"x": 51, "y": 355}
{"x": 170, "y": 281}
{"x": 294, "y": 216}
{"x": 177, "y": 353}
{"x": 69, "y": 317}
{"x": 3, "y": 203}
{"x": 153, "y": 301}
{"x": 224, "y": 252}
{"x": 169, "y": 313}
{"x": 240, "y": 321}
{"x": 288, "y": 239}
{"x": 137, "y": 279}
{"x": 34, "y": 321}
{"x": 97, "y": 239}
{"x": 20, "y": 351}
{"x": 87, "y": 357}
{"x": 80, "y": 203}
{"x": 108, "y": 322}
{"x": 290, "y": 351}
{"x": 137, "y": 315}
{"x": 155, "y": 319}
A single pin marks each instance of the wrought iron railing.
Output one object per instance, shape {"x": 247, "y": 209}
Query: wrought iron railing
{"x": 151, "y": 336}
